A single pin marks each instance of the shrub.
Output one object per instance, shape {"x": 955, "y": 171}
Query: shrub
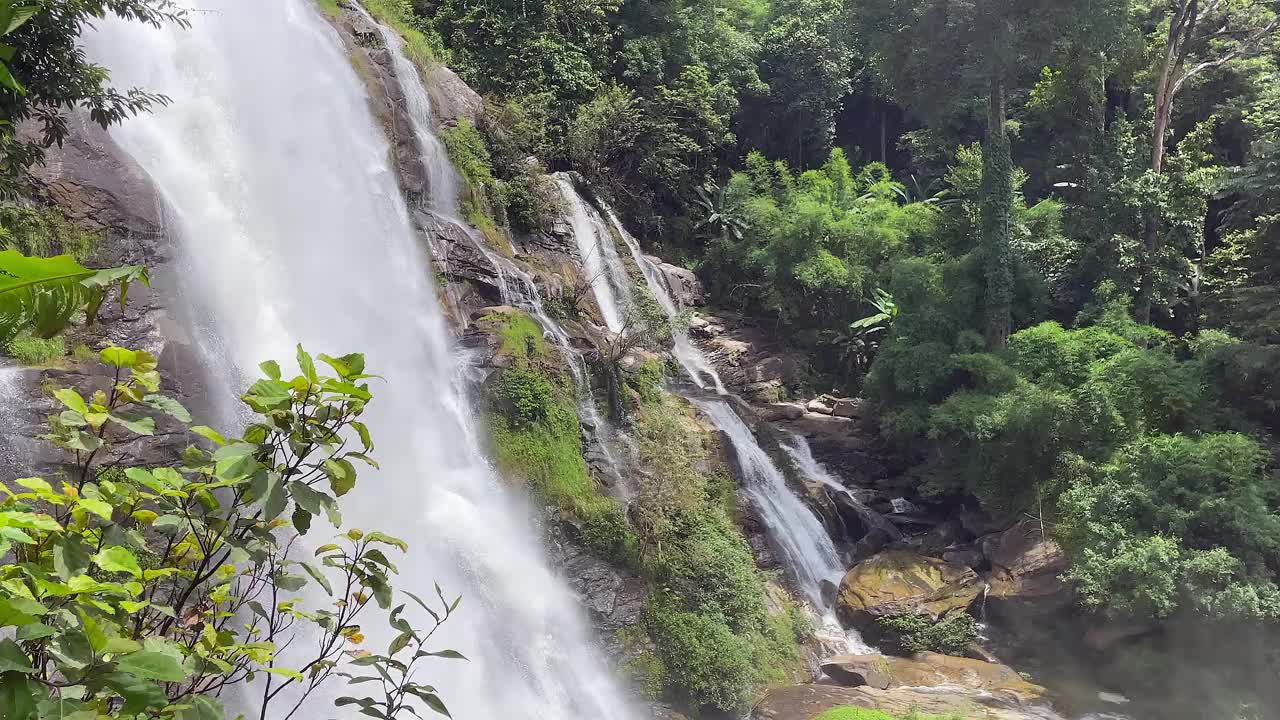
{"x": 1174, "y": 521}
{"x": 710, "y": 663}
{"x": 529, "y": 394}
{"x": 30, "y": 350}
{"x": 918, "y": 633}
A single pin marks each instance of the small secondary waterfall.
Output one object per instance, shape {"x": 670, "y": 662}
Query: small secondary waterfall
{"x": 804, "y": 541}
{"x": 802, "y": 455}
{"x": 516, "y": 286}
{"x": 281, "y": 193}
{"x": 808, "y": 549}
{"x": 600, "y": 259}
{"x": 695, "y": 364}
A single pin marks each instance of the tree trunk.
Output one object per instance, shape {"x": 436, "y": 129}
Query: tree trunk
{"x": 1151, "y": 214}
{"x": 995, "y": 211}
{"x": 1180, "y": 29}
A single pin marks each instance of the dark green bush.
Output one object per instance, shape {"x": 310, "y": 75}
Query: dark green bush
{"x": 906, "y": 634}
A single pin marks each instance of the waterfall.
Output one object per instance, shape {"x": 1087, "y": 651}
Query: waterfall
{"x": 802, "y": 455}
{"x": 281, "y": 194}
{"x": 695, "y": 364}
{"x": 806, "y": 546}
{"x": 600, "y": 259}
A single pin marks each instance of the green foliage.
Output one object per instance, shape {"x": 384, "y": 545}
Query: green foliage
{"x": 146, "y": 591}
{"x": 44, "y": 294}
{"x": 711, "y": 663}
{"x": 707, "y": 612}
{"x": 43, "y": 231}
{"x": 918, "y": 633}
{"x": 536, "y": 435}
{"x": 1175, "y": 521}
{"x": 422, "y": 44}
{"x": 30, "y": 350}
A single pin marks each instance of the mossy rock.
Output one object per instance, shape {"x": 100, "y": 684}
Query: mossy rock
{"x": 904, "y": 583}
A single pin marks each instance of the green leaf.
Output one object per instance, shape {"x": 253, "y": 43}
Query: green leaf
{"x": 377, "y": 537}
{"x": 274, "y": 500}
{"x": 45, "y": 293}
{"x": 342, "y": 476}
{"x": 13, "y": 658}
{"x": 271, "y": 369}
{"x": 35, "y": 631}
{"x": 363, "y": 431}
{"x": 154, "y": 664}
{"x": 101, "y": 508}
{"x": 17, "y": 696}
{"x": 287, "y": 673}
{"x": 265, "y": 396}
{"x": 169, "y": 406}
{"x": 209, "y": 433}
{"x": 118, "y": 357}
{"x": 139, "y": 694}
{"x": 35, "y": 483}
{"x": 290, "y": 583}
{"x": 301, "y": 520}
{"x": 318, "y": 576}
{"x": 307, "y": 497}
{"x": 201, "y": 707}
{"x": 70, "y": 558}
{"x": 72, "y": 399}
{"x": 18, "y": 611}
{"x": 118, "y": 559}
{"x": 140, "y": 426}
{"x": 306, "y": 364}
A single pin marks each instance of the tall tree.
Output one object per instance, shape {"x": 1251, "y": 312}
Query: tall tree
{"x": 977, "y": 52}
{"x": 1192, "y": 38}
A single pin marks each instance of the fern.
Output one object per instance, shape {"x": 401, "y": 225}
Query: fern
{"x": 44, "y": 294}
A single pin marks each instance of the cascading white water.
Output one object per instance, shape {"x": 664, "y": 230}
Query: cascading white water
{"x": 281, "y": 193}
{"x": 798, "y": 449}
{"x": 805, "y": 542}
{"x": 794, "y": 528}
{"x": 808, "y": 549}
{"x": 694, "y": 362}
{"x": 602, "y": 267}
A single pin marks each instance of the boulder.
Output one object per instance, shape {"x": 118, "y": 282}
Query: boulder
{"x": 806, "y": 702}
{"x": 930, "y": 670}
{"x": 686, "y": 288}
{"x": 1026, "y": 566}
{"x": 819, "y": 406}
{"x": 781, "y": 411}
{"x": 768, "y": 391}
{"x": 452, "y": 100}
{"x": 901, "y": 583}
{"x": 847, "y": 408}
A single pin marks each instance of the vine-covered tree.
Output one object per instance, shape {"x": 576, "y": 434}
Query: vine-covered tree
{"x": 977, "y": 52}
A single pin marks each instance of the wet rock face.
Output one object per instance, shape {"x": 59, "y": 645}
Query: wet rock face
{"x": 614, "y": 598}
{"x": 806, "y": 702}
{"x": 930, "y": 670}
{"x": 904, "y": 583}
{"x": 452, "y": 100}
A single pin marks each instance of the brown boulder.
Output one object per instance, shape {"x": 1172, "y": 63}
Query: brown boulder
{"x": 1026, "y": 565}
{"x": 806, "y": 702}
{"x": 902, "y": 583}
{"x": 781, "y": 411}
{"x": 930, "y": 670}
